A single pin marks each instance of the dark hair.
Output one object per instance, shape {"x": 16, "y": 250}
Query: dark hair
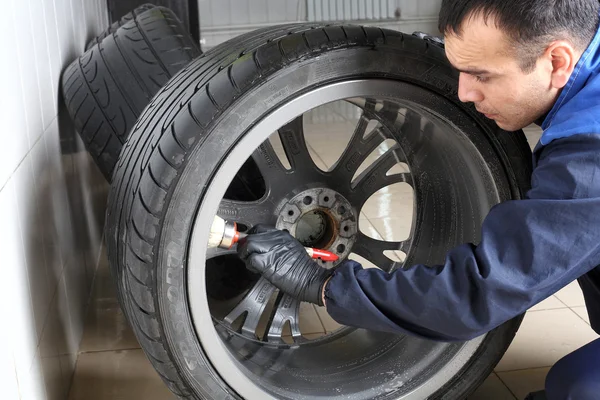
{"x": 529, "y": 24}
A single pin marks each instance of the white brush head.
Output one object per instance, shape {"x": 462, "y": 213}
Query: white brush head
{"x": 217, "y": 230}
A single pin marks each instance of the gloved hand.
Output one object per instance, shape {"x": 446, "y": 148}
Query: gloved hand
{"x": 283, "y": 261}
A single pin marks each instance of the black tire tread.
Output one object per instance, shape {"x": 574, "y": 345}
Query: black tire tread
{"x": 117, "y": 24}
{"x": 116, "y": 78}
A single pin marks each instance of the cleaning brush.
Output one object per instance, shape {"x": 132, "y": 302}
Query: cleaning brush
{"x": 224, "y": 234}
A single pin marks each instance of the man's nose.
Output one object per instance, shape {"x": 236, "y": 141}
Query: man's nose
{"x": 467, "y": 89}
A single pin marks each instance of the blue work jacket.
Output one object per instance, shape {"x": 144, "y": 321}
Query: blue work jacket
{"x": 529, "y": 248}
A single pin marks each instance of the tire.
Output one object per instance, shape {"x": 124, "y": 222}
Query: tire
{"x": 106, "y": 89}
{"x": 186, "y": 12}
{"x": 168, "y": 183}
{"x": 116, "y": 25}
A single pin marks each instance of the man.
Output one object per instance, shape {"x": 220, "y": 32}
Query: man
{"x": 520, "y": 62}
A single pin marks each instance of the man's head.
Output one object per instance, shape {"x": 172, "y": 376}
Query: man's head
{"x": 515, "y": 56}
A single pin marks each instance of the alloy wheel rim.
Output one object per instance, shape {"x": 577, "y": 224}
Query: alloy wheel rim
{"x": 239, "y": 377}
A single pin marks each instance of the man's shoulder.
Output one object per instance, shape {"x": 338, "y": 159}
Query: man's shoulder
{"x": 568, "y": 168}
{"x": 578, "y": 115}
{"x": 573, "y": 145}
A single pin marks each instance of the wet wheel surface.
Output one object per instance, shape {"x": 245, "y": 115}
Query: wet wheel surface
{"x": 249, "y": 138}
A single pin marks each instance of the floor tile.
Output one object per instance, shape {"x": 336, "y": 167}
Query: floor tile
{"x": 328, "y": 322}
{"x": 533, "y": 134}
{"x": 366, "y": 227}
{"x": 78, "y": 296}
{"x": 309, "y": 320}
{"x": 523, "y": 382}
{"x": 117, "y": 375}
{"x": 327, "y": 157}
{"x": 362, "y": 261}
{"x": 399, "y": 203}
{"x": 492, "y": 389}
{"x": 393, "y": 229}
{"x": 395, "y": 255}
{"x": 328, "y": 152}
{"x": 66, "y": 345}
{"x": 544, "y": 338}
{"x": 571, "y": 295}
{"x": 329, "y": 140}
{"x": 317, "y": 160}
{"x": 105, "y": 325}
{"x": 550, "y": 303}
{"x": 52, "y": 375}
{"x": 582, "y": 312}
{"x": 53, "y": 342}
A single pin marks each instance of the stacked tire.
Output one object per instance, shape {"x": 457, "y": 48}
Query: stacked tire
{"x": 107, "y": 88}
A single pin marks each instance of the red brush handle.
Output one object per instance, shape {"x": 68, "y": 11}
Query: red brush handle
{"x": 323, "y": 254}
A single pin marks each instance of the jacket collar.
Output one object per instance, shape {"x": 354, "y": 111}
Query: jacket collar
{"x": 586, "y": 68}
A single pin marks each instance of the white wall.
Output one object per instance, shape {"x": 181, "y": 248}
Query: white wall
{"x": 52, "y": 198}
{"x": 221, "y": 20}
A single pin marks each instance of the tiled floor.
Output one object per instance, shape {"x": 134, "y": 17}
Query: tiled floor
{"x": 111, "y": 366}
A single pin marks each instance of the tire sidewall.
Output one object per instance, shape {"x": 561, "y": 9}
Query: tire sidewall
{"x": 171, "y": 261}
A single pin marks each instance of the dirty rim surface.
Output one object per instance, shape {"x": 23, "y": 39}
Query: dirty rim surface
{"x": 453, "y": 191}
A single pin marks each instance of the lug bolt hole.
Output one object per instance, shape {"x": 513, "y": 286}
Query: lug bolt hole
{"x": 290, "y": 213}
{"x": 307, "y": 200}
{"x": 342, "y": 210}
{"x": 346, "y": 228}
{"x": 341, "y": 248}
{"x": 326, "y": 199}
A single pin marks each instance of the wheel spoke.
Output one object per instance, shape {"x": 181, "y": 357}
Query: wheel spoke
{"x": 375, "y": 176}
{"x": 269, "y": 165}
{"x": 359, "y": 147}
{"x": 294, "y": 145}
{"x": 287, "y": 309}
{"x": 357, "y": 151}
{"x": 248, "y": 213}
{"x": 372, "y": 250}
{"x": 253, "y": 305}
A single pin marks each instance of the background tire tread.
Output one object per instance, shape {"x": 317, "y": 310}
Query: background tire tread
{"x": 108, "y": 87}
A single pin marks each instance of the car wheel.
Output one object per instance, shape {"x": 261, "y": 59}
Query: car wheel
{"x": 239, "y": 116}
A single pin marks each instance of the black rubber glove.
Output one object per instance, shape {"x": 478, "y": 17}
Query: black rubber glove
{"x": 283, "y": 261}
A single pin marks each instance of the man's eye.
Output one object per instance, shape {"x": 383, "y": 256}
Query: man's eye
{"x": 481, "y": 78}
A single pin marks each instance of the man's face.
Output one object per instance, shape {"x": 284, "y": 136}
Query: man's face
{"x": 492, "y": 79}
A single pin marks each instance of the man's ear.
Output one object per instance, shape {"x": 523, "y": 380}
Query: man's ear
{"x": 563, "y": 58}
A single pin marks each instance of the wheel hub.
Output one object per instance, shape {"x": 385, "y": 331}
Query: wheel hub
{"x": 321, "y": 218}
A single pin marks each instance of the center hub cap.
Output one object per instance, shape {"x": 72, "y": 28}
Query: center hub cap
{"x": 321, "y": 218}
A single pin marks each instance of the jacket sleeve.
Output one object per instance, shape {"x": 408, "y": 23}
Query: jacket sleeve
{"x": 529, "y": 249}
